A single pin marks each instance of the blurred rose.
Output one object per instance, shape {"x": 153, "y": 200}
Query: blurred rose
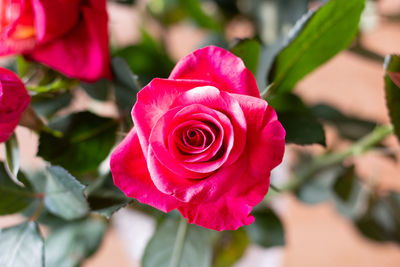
{"x": 204, "y": 142}
{"x": 14, "y": 99}
{"x": 70, "y": 36}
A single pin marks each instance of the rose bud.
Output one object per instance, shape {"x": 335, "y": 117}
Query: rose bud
{"x": 204, "y": 142}
{"x": 14, "y": 99}
{"x": 68, "y": 36}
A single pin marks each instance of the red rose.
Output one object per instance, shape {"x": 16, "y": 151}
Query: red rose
{"x": 70, "y": 36}
{"x": 204, "y": 142}
{"x": 14, "y": 99}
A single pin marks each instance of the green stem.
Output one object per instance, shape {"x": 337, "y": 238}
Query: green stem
{"x": 180, "y": 240}
{"x": 55, "y": 86}
{"x": 321, "y": 162}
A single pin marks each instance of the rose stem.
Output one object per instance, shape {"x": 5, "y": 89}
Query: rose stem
{"x": 358, "y": 148}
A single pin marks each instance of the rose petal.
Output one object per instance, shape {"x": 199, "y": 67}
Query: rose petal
{"x": 219, "y": 66}
{"x": 224, "y": 214}
{"x": 83, "y": 52}
{"x": 218, "y": 100}
{"x": 55, "y": 18}
{"x": 153, "y": 102}
{"x": 131, "y": 175}
{"x": 196, "y": 190}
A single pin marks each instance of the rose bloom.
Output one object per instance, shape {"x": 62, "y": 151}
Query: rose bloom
{"x": 14, "y": 99}
{"x": 70, "y": 36}
{"x": 204, "y": 142}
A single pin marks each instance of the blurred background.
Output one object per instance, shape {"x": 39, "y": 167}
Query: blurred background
{"x": 153, "y": 34}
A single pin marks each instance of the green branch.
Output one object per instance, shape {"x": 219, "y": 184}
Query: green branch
{"x": 358, "y": 148}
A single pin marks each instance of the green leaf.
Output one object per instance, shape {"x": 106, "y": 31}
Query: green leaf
{"x": 300, "y": 124}
{"x": 195, "y": 11}
{"x": 348, "y": 127}
{"x": 12, "y": 155}
{"x": 21, "y": 246}
{"x": 64, "y": 194}
{"x": 230, "y": 247}
{"x": 392, "y": 67}
{"x": 315, "y": 39}
{"x": 267, "y": 229}
{"x": 344, "y": 183}
{"x": 381, "y": 222}
{"x": 24, "y": 67}
{"x": 98, "y": 90}
{"x": 302, "y": 129}
{"x": 105, "y": 198}
{"x": 86, "y": 142}
{"x": 13, "y": 198}
{"x": 336, "y": 184}
{"x": 249, "y": 51}
{"x": 148, "y": 59}
{"x": 195, "y": 244}
{"x": 48, "y": 104}
{"x": 71, "y": 244}
{"x": 125, "y": 84}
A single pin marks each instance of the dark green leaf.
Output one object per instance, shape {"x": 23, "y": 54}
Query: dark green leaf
{"x": 316, "y": 38}
{"x": 196, "y": 247}
{"x": 249, "y": 51}
{"x": 125, "y": 84}
{"x": 288, "y": 102}
{"x": 301, "y": 126}
{"x": 348, "y": 127}
{"x": 344, "y": 184}
{"x": 195, "y": 11}
{"x": 86, "y": 142}
{"x": 267, "y": 229}
{"x": 230, "y": 247}
{"x": 148, "y": 59}
{"x": 71, "y": 244}
{"x": 13, "y": 198}
{"x": 381, "y": 222}
{"x": 21, "y": 246}
{"x": 302, "y": 129}
{"x": 48, "y": 104}
{"x": 105, "y": 198}
{"x": 98, "y": 90}
{"x": 392, "y": 66}
{"x": 64, "y": 194}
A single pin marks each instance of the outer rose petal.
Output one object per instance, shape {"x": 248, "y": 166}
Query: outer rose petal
{"x": 130, "y": 173}
{"x": 224, "y": 214}
{"x": 14, "y": 99}
{"x": 83, "y": 52}
{"x": 7, "y": 129}
{"x": 218, "y": 66}
{"x": 153, "y": 102}
{"x": 54, "y": 18}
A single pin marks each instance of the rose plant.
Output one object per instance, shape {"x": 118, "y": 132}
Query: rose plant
{"x": 203, "y": 142}
{"x": 68, "y": 36}
{"x": 195, "y": 147}
{"x": 14, "y": 99}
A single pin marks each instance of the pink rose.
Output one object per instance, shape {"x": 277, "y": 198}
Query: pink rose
{"x": 204, "y": 142}
{"x": 70, "y": 36}
{"x": 14, "y": 99}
